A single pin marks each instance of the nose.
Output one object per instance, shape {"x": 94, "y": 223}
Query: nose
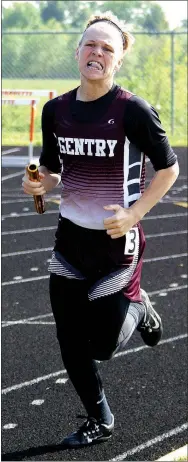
{"x": 97, "y": 51}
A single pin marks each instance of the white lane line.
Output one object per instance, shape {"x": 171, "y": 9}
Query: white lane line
{"x": 25, "y": 252}
{"x": 8, "y": 151}
{"x": 30, "y": 230}
{"x": 29, "y": 199}
{"x": 167, "y": 215}
{"x": 170, "y": 233}
{"x": 144, "y": 347}
{"x": 48, "y": 249}
{"x": 4, "y": 391}
{"x": 38, "y": 323}
{"x": 12, "y": 175}
{"x": 149, "y": 443}
{"x": 165, "y": 257}
{"x": 9, "y": 426}
{"x": 37, "y": 402}
{"x": 37, "y": 278}
{"x": 35, "y": 318}
{"x": 22, "y": 321}
{"x": 30, "y": 214}
{"x": 48, "y": 228}
{"x": 169, "y": 289}
{"x": 61, "y": 381}
{"x": 18, "y": 386}
{"x": 16, "y": 201}
{"x": 151, "y": 217}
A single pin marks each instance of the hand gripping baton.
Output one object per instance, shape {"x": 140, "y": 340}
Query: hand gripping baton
{"x": 33, "y": 173}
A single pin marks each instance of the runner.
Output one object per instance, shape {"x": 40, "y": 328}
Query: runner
{"x": 96, "y": 137}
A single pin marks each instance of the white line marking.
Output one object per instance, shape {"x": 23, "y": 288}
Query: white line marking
{"x": 169, "y": 215}
{"x": 31, "y": 214}
{"x": 152, "y": 217}
{"x": 171, "y": 233}
{"x": 4, "y": 391}
{"x": 61, "y": 380}
{"x": 16, "y": 201}
{"x": 152, "y": 442}
{"x": 144, "y": 347}
{"x": 9, "y": 426}
{"x": 25, "y": 252}
{"x": 31, "y": 230}
{"x": 165, "y": 257}
{"x": 32, "y": 382}
{"x": 8, "y": 151}
{"x": 48, "y": 249}
{"x": 169, "y": 289}
{"x": 37, "y": 278}
{"x": 35, "y": 318}
{"x": 22, "y": 321}
{"x": 12, "y": 175}
{"x": 38, "y": 323}
{"x": 28, "y": 199}
{"x": 37, "y": 402}
{"x": 48, "y": 228}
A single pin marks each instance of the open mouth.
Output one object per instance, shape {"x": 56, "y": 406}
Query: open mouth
{"x": 95, "y": 65}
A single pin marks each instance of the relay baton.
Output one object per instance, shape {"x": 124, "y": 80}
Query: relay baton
{"x": 33, "y": 173}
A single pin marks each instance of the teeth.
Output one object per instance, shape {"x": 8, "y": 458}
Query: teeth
{"x": 96, "y": 64}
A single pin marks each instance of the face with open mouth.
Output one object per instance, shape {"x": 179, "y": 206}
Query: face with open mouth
{"x": 100, "y": 52}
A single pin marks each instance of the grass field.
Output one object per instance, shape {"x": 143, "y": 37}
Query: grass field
{"x": 16, "y": 119}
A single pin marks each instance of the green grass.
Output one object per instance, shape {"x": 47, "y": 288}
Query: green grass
{"x": 16, "y": 119}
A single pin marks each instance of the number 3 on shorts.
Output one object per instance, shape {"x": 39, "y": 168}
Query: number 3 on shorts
{"x": 132, "y": 241}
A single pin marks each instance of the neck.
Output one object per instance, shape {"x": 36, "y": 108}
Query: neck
{"x": 91, "y": 90}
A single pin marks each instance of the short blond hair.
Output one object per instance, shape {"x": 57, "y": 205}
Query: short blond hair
{"x": 110, "y": 18}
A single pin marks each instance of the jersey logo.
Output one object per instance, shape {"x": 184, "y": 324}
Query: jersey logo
{"x": 87, "y": 147}
{"x": 111, "y": 121}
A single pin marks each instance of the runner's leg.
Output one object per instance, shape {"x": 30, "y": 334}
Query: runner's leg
{"x": 70, "y": 308}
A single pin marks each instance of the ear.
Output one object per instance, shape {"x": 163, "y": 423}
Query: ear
{"x": 119, "y": 64}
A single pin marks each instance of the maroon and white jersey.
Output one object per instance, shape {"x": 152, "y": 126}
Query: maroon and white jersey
{"x": 99, "y": 148}
{"x": 101, "y": 163}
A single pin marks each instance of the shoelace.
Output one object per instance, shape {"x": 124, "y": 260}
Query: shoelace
{"x": 89, "y": 427}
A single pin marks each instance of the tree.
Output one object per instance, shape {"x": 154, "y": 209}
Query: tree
{"x": 20, "y": 16}
{"x": 153, "y": 19}
{"x": 52, "y": 10}
{"x": 184, "y": 24}
{"x": 125, "y": 10}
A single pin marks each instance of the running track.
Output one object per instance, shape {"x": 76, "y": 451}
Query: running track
{"x": 146, "y": 388}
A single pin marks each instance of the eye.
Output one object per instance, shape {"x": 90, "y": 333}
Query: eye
{"x": 108, "y": 49}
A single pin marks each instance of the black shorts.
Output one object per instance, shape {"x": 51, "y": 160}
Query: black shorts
{"x": 83, "y": 253}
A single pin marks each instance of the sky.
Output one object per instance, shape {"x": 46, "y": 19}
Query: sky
{"x": 174, "y": 10}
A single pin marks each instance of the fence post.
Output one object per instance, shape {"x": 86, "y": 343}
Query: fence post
{"x": 172, "y": 80}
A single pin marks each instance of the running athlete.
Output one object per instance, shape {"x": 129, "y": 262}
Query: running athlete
{"x": 95, "y": 139}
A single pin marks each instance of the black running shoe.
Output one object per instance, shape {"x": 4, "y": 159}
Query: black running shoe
{"x": 150, "y": 327}
{"x": 91, "y": 432}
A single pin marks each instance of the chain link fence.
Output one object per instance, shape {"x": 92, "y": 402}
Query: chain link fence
{"x": 154, "y": 69}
